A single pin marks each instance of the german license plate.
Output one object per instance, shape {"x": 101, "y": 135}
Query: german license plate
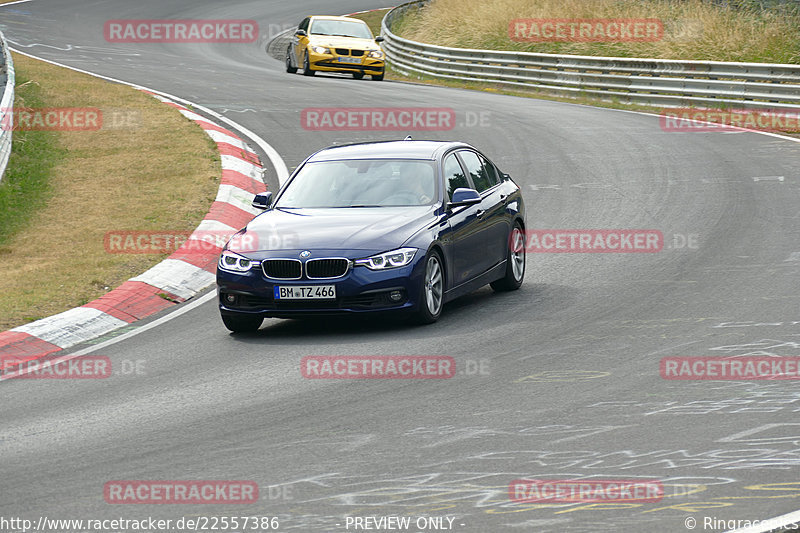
{"x": 305, "y": 292}
{"x": 356, "y": 60}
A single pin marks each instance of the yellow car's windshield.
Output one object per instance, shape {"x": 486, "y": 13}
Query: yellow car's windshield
{"x": 342, "y": 28}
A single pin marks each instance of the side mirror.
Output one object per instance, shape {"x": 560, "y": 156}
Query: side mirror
{"x": 463, "y": 197}
{"x": 301, "y": 33}
{"x": 379, "y": 39}
{"x": 506, "y": 177}
{"x": 262, "y": 200}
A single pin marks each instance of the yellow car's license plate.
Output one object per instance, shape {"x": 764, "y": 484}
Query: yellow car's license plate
{"x": 305, "y": 292}
{"x": 356, "y": 60}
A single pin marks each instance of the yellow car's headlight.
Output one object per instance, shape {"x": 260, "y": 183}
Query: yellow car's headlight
{"x": 377, "y": 54}
{"x": 321, "y": 50}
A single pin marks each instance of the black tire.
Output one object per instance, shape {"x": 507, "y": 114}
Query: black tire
{"x": 289, "y": 68}
{"x": 431, "y": 300}
{"x": 358, "y": 75}
{"x": 242, "y": 323}
{"x": 378, "y": 77}
{"x": 515, "y": 263}
{"x": 306, "y": 67}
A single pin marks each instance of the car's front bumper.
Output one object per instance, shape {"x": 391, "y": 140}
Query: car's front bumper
{"x": 361, "y": 290}
{"x": 331, "y": 63}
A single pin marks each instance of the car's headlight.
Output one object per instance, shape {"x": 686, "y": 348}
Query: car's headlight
{"x": 377, "y": 54}
{"x": 234, "y": 262}
{"x": 396, "y": 258}
{"x": 321, "y": 50}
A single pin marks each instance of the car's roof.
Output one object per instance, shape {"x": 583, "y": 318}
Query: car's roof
{"x": 332, "y": 17}
{"x": 409, "y": 149}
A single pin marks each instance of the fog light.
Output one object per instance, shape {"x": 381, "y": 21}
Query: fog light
{"x": 395, "y": 296}
{"x": 230, "y": 298}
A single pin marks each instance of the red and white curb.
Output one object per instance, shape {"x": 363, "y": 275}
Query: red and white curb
{"x": 178, "y": 278}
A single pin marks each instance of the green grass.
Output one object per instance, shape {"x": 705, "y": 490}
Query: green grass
{"x": 25, "y": 188}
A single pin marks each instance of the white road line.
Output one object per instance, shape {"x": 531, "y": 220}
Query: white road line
{"x": 177, "y": 277}
{"x": 72, "y": 327}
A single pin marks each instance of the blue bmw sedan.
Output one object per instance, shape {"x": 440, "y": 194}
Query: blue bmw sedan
{"x": 396, "y": 227}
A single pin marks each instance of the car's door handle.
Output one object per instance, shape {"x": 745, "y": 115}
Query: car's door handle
{"x": 480, "y": 213}
{"x": 503, "y": 197}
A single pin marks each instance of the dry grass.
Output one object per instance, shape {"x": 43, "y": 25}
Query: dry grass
{"x": 693, "y": 29}
{"x": 160, "y": 172}
{"x": 374, "y": 20}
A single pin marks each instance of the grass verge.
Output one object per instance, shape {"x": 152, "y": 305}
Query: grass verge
{"x": 692, "y": 29}
{"x": 25, "y": 188}
{"x": 148, "y": 168}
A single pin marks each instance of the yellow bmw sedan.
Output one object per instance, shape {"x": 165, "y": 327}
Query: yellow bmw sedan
{"x": 335, "y": 44}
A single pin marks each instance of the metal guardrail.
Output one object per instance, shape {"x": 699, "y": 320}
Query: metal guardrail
{"x": 659, "y": 82}
{"x": 6, "y": 104}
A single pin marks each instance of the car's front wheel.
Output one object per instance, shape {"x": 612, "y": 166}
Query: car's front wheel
{"x": 432, "y": 294}
{"x": 289, "y": 68}
{"x": 515, "y": 264}
{"x": 358, "y": 75}
{"x": 307, "y": 67}
{"x": 242, "y": 323}
{"x": 377, "y": 77}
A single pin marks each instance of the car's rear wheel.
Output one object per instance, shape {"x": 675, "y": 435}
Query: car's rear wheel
{"x": 307, "y": 68}
{"x": 432, "y": 296}
{"x": 515, "y": 264}
{"x": 242, "y": 323}
{"x": 289, "y": 68}
{"x": 377, "y": 77}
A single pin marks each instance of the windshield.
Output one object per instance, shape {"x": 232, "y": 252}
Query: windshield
{"x": 361, "y": 183}
{"x": 344, "y": 28}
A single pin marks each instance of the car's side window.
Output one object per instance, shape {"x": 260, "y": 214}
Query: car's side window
{"x": 476, "y": 170}
{"x": 304, "y": 25}
{"x": 491, "y": 172}
{"x": 453, "y": 175}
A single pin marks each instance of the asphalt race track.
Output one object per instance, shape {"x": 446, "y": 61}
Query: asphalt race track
{"x": 557, "y": 380}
